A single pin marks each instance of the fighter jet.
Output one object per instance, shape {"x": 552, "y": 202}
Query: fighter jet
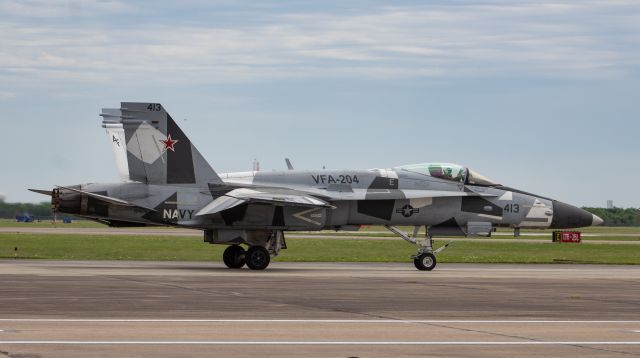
{"x": 166, "y": 181}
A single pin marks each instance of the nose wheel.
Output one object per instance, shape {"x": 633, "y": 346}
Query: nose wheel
{"x": 425, "y": 258}
{"x": 425, "y": 261}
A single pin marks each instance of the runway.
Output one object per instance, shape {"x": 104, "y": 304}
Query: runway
{"x": 185, "y": 309}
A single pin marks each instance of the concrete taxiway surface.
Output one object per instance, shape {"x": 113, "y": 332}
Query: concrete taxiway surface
{"x": 169, "y": 309}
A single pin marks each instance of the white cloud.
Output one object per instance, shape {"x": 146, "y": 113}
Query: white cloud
{"x": 61, "y": 8}
{"x": 7, "y": 96}
{"x": 552, "y": 39}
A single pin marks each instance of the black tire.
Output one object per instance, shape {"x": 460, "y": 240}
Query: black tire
{"x": 425, "y": 261}
{"x": 257, "y": 258}
{"x": 234, "y": 256}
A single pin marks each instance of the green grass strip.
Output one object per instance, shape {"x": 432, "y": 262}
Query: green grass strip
{"x": 94, "y": 247}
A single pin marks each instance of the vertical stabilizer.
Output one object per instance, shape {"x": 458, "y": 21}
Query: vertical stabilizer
{"x": 157, "y": 150}
{"x": 115, "y": 132}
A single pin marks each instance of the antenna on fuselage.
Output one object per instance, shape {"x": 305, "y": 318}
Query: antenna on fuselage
{"x": 289, "y": 166}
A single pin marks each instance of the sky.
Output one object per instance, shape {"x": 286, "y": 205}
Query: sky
{"x": 543, "y": 96}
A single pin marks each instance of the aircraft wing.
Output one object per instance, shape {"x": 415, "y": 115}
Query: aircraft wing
{"x": 282, "y": 197}
{"x": 107, "y": 199}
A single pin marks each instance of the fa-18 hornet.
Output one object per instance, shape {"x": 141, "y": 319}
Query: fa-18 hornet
{"x": 166, "y": 181}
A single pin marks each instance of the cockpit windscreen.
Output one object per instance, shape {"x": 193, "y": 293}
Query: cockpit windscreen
{"x": 448, "y": 171}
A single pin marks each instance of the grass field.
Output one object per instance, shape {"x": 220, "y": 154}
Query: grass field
{"x": 47, "y": 223}
{"x": 96, "y": 247}
{"x": 365, "y": 231}
{"x": 81, "y": 247}
{"x": 544, "y": 236}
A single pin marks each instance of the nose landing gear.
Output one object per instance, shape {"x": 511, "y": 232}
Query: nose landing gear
{"x": 425, "y": 261}
{"x": 425, "y": 258}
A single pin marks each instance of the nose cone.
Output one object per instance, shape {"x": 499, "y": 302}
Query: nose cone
{"x": 567, "y": 216}
{"x": 596, "y": 220}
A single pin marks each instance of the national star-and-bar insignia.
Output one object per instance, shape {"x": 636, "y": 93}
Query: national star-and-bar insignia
{"x": 407, "y": 210}
{"x": 169, "y": 143}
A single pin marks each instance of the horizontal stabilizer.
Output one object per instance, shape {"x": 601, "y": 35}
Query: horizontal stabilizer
{"x": 41, "y": 191}
{"x": 107, "y": 199}
{"x": 282, "y": 197}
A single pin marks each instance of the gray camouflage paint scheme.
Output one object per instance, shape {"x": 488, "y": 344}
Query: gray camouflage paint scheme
{"x": 166, "y": 181}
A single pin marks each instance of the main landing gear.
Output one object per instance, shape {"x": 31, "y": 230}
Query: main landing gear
{"x": 234, "y": 256}
{"x": 425, "y": 258}
{"x": 257, "y": 257}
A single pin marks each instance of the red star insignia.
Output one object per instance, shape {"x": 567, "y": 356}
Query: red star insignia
{"x": 169, "y": 143}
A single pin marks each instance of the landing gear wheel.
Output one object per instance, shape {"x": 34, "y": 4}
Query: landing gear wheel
{"x": 425, "y": 261}
{"x": 257, "y": 258}
{"x": 234, "y": 256}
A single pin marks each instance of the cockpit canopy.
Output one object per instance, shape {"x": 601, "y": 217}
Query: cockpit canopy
{"x": 448, "y": 171}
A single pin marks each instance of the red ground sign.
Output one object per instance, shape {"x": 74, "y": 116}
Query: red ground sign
{"x": 567, "y": 236}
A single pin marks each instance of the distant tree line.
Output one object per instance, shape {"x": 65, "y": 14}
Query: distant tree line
{"x": 611, "y": 217}
{"x": 10, "y": 210}
{"x": 617, "y": 216}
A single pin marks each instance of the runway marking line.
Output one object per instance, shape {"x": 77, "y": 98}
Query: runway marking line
{"x": 366, "y": 321}
{"x": 371, "y": 343}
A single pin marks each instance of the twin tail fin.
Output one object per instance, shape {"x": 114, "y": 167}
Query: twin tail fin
{"x": 151, "y": 148}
